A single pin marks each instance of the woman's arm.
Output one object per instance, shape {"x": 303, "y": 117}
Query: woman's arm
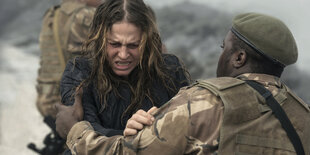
{"x": 91, "y": 112}
{"x": 75, "y": 72}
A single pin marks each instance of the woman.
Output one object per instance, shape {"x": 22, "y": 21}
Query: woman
{"x": 123, "y": 69}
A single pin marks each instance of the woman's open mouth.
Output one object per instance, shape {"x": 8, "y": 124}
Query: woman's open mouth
{"x": 122, "y": 65}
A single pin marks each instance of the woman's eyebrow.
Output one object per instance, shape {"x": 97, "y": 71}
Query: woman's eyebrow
{"x": 131, "y": 42}
{"x": 109, "y": 39}
{"x": 135, "y": 42}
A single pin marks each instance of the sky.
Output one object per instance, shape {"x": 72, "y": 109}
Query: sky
{"x": 294, "y": 13}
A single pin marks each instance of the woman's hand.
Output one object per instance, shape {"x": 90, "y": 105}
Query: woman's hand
{"x": 138, "y": 120}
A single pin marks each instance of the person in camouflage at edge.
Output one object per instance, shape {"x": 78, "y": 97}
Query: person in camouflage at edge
{"x": 223, "y": 115}
{"x": 64, "y": 29}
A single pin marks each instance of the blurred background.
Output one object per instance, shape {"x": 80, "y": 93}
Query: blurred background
{"x": 191, "y": 29}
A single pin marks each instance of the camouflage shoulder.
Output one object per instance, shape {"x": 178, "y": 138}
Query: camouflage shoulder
{"x": 194, "y": 87}
{"x": 300, "y": 101}
{"x": 193, "y": 84}
{"x": 51, "y": 10}
{"x": 85, "y": 16}
{"x": 215, "y": 85}
{"x": 221, "y": 83}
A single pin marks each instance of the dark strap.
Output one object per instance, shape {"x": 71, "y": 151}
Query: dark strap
{"x": 280, "y": 115}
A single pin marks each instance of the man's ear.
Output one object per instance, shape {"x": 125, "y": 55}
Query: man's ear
{"x": 239, "y": 58}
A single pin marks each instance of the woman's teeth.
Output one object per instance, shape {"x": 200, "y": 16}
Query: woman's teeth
{"x": 122, "y": 63}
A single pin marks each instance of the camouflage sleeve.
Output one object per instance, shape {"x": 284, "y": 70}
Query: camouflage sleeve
{"x": 206, "y": 114}
{"x": 79, "y": 29}
{"x": 179, "y": 128}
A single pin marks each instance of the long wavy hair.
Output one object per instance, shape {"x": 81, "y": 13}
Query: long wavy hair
{"x": 151, "y": 66}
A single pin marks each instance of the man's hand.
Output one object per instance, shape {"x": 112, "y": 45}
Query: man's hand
{"x": 138, "y": 120}
{"x": 67, "y": 116}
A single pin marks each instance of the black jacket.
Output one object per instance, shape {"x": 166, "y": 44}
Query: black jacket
{"x": 109, "y": 122}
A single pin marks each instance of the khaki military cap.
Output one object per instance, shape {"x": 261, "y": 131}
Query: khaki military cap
{"x": 268, "y": 36}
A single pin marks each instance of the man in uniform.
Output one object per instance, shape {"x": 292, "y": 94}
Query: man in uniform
{"x": 64, "y": 29}
{"x": 224, "y": 115}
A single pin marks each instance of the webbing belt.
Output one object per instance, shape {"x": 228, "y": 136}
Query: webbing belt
{"x": 280, "y": 115}
{"x": 57, "y": 39}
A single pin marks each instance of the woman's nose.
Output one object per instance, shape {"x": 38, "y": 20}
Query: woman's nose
{"x": 123, "y": 53}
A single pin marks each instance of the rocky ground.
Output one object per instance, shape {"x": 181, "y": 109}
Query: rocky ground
{"x": 20, "y": 121}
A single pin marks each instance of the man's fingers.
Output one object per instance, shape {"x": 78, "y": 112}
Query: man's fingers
{"x": 132, "y": 124}
{"x": 56, "y": 106}
{"x": 147, "y": 115}
{"x": 59, "y": 129}
{"x": 78, "y": 107}
{"x": 142, "y": 118}
{"x": 78, "y": 98}
{"x": 142, "y": 113}
{"x": 152, "y": 110}
{"x": 59, "y": 107}
{"x": 138, "y": 120}
{"x": 129, "y": 132}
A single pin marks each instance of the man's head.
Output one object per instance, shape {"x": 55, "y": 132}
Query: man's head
{"x": 257, "y": 44}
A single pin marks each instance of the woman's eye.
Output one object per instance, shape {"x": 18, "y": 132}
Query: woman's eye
{"x": 115, "y": 45}
{"x": 222, "y": 46}
{"x": 132, "y": 46}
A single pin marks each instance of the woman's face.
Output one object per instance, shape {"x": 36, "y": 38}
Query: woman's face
{"x": 123, "y": 48}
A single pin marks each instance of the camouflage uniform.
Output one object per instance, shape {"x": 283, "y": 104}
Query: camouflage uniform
{"x": 190, "y": 123}
{"x": 73, "y": 22}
